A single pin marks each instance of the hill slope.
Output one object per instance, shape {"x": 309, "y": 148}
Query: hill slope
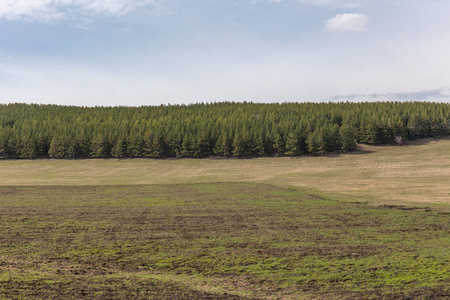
{"x": 416, "y": 173}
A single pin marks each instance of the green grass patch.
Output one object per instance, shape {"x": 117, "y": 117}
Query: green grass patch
{"x": 216, "y": 241}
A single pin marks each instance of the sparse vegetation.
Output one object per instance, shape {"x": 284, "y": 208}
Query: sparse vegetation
{"x": 216, "y": 241}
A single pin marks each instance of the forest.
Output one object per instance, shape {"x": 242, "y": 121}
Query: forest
{"x": 213, "y": 129}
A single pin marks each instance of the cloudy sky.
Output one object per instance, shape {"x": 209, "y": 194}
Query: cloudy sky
{"x": 151, "y": 52}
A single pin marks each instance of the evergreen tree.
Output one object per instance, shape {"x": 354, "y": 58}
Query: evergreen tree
{"x": 313, "y": 142}
{"x": 239, "y": 129}
{"x": 99, "y": 147}
{"x": 347, "y": 138}
{"x": 119, "y": 148}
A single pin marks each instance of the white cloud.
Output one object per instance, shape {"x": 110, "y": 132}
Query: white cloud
{"x": 438, "y": 95}
{"x": 347, "y": 22}
{"x": 49, "y": 10}
{"x": 331, "y": 3}
{"x": 336, "y": 3}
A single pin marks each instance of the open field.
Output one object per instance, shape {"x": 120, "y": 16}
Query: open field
{"x": 415, "y": 174}
{"x": 200, "y": 241}
{"x": 330, "y": 227}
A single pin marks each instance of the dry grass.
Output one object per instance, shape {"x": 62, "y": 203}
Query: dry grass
{"x": 418, "y": 173}
{"x": 121, "y": 228}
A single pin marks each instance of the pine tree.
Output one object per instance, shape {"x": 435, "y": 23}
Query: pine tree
{"x": 347, "y": 138}
{"x": 119, "y": 148}
{"x": 293, "y": 144}
{"x": 313, "y": 142}
{"x": 98, "y": 147}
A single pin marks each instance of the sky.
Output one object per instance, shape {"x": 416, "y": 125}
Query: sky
{"x": 152, "y": 52}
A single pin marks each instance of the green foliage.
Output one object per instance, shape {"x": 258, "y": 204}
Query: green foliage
{"x": 293, "y": 146}
{"x": 224, "y": 129}
{"x": 347, "y": 138}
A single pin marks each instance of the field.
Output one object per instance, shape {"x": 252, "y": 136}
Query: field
{"x": 368, "y": 225}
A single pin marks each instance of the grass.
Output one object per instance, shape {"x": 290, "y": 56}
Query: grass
{"x": 216, "y": 240}
{"x": 369, "y": 225}
{"x": 415, "y": 174}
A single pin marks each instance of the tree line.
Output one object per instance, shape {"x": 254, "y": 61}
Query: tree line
{"x": 215, "y": 129}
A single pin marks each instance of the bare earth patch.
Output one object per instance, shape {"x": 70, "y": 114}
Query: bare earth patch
{"x": 216, "y": 241}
